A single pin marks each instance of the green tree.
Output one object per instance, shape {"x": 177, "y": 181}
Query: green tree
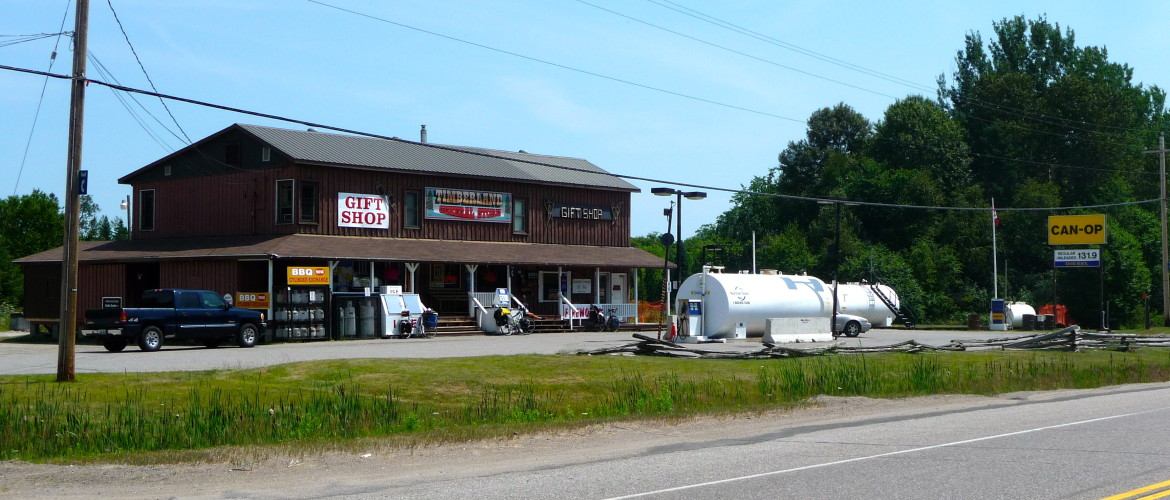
{"x": 28, "y": 224}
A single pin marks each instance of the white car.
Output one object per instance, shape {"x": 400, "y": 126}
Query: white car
{"x": 851, "y": 326}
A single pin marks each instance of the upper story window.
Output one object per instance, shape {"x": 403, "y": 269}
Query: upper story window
{"x": 231, "y": 154}
{"x": 265, "y": 153}
{"x": 284, "y": 201}
{"x": 146, "y": 210}
{"x": 309, "y": 201}
{"x": 412, "y": 209}
{"x": 519, "y": 215}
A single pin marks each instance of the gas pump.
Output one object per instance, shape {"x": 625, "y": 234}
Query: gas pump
{"x": 690, "y": 321}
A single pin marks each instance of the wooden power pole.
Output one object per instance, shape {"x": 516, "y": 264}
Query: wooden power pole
{"x": 67, "y": 327}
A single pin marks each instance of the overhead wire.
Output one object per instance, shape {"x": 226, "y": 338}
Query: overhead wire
{"x": 549, "y": 165}
{"x": 40, "y": 100}
{"x": 615, "y": 79}
{"x": 143, "y": 68}
{"x": 766, "y": 39}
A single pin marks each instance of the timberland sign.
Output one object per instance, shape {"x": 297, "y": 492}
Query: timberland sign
{"x": 1076, "y": 229}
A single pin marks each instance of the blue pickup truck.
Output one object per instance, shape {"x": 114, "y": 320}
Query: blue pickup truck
{"x": 198, "y": 315}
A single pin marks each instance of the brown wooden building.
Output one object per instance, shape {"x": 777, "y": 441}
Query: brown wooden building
{"x": 277, "y": 213}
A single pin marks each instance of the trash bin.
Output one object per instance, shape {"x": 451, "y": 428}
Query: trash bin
{"x": 1029, "y": 322}
{"x": 1041, "y": 320}
{"x": 1049, "y": 321}
{"x": 17, "y": 322}
{"x": 974, "y": 322}
{"x": 430, "y": 319}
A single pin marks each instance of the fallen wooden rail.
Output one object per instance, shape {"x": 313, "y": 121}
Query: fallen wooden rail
{"x": 1067, "y": 339}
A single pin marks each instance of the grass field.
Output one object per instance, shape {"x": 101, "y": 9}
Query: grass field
{"x": 325, "y": 405}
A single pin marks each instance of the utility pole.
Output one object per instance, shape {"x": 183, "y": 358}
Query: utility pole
{"x": 1165, "y": 254}
{"x": 67, "y": 330}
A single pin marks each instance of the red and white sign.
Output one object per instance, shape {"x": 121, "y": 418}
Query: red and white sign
{"x": 574, "y": 312}
{"x": 362, "y": 210}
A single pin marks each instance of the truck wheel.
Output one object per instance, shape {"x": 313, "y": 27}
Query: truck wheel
{"x": 151, "y": 339}
{"x": 852, "y": 329}
{"x": 114, "y": 345}
{"x": 247, "y": 335}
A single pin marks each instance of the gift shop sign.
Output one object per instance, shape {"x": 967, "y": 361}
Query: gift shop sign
{"x": 362, "y": 210}
{"x": 463, "y": 204}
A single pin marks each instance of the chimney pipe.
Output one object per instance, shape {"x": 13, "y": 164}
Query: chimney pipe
{"x": 423, "y": 135}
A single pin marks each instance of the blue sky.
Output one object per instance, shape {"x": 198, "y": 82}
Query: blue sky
{"x": 304, "y": 60}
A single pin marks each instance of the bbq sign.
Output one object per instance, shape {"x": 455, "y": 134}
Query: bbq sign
{"x": 308, "y": 275}
{"x": 1076, "y": 229}
{"x": 463, "y": 204}
{"x": 362, "y": 210}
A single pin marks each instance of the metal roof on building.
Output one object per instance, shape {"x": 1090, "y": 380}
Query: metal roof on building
{"x": 305, "y": 246}
{"x": 408, "y": 156}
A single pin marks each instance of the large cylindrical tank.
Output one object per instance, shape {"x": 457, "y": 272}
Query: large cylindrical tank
{"x": 861, "y": 299}
{"x": 753, "y": 298}
{"x": 1017, "y": 310}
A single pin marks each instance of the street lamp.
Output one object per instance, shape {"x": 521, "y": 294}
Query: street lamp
{"x": 125, "y": 205}
{"x": 837, "y": 202}
{"x": 680, "y": 254}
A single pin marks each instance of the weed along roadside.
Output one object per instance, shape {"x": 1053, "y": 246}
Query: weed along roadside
{"x": 324, "y": 405}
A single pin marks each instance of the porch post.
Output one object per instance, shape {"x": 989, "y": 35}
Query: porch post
{"x": 411, "y": 267}
{"x": 596, "y": 285}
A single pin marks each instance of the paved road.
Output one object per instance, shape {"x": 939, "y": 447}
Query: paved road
{"x": 1057, "y": 445}
{"x": 18, "y": 358}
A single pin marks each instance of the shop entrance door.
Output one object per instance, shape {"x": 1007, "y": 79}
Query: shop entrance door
{"x": 617, "y": 288}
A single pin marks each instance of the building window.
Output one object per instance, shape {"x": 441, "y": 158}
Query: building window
{"x": 551, "y": 285}
{"x": 146, "y": 210}
{"x": 412, "y": 209}
{"x": 284, "y": 201}
{"x": 231, "y": 154}
{"x": 520, "y": 215}
{"x": 308, "y": 201}
{"x": 265, "y": 153}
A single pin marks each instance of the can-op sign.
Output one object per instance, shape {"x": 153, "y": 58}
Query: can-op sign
{"x": 1076, "y": 229}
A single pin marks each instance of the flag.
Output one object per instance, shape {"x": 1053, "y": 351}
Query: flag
{"x": 994, "y": 214}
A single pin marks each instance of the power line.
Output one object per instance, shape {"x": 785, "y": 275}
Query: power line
{"x": 548, "y": 165}
{"x": 562, "y": 66}
{"x": 767, "y": 61}
{"x": 143, "y": 68}
{"x": 710, "y": 101}
{"x": 40, "y": 100}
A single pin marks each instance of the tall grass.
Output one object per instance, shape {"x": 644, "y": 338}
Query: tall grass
{"x": 118, "y": 414}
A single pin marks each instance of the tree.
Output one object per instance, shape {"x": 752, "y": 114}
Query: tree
{"x": 28, "y": 224}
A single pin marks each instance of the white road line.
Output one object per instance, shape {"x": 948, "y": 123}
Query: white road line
{"x": 881, "y": 455}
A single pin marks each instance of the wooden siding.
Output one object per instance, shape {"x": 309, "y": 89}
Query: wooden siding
{"x": 243, "y": 203}
{"x": 215, "y": 275}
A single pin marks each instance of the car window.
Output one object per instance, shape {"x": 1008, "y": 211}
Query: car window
{"x": 187, "y": 300}
{"x": 211, "y": 300}
{"x": 158, "y": 298}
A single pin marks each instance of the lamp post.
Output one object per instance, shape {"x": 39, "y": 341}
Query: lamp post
{"x": 837, "y": 202}
{"x": 125, "y": 205}
{"x": 680, "y": 254}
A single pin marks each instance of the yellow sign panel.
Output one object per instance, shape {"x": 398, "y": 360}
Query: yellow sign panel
{"x": 249, "y": 300}
{"x": 308, "y": 275}
{"x": 1076, "y": 229}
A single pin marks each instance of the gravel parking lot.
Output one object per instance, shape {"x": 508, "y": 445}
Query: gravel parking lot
{"x": 18, "y": 356}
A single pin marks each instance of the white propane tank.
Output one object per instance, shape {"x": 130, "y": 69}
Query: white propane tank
{"x": 860, "y": 299}
{"x": 1018, "y": 310}
{"x": 367, "y": 318}
{"x": 348, "y": 326}
{"x": 753, "y": 298}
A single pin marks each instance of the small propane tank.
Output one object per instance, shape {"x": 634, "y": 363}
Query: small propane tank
{"x": 367, "y": 318}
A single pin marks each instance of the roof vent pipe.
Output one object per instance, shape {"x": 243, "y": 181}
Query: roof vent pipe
{"x": 423, "y": 135}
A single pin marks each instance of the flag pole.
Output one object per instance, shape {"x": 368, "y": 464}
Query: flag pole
{"x": 994, "y": 257}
